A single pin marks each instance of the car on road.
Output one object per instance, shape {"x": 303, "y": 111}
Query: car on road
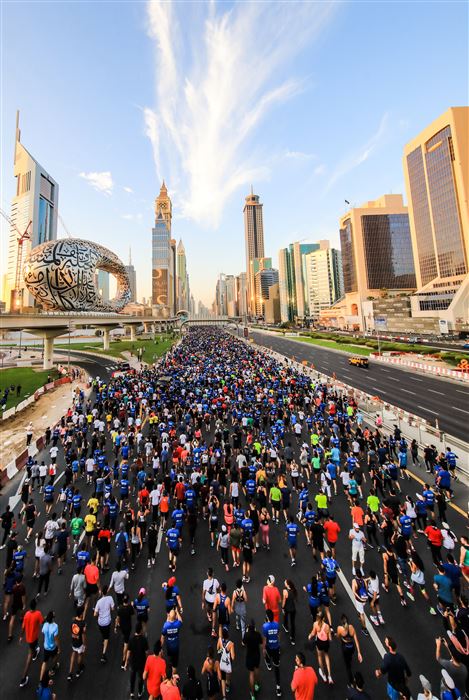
{"x": 358, "y": 361}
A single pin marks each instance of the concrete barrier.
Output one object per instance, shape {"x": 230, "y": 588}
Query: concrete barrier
{"x": 422, "y": 367}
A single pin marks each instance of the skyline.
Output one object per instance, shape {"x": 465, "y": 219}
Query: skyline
{"x": 303, "y": 160}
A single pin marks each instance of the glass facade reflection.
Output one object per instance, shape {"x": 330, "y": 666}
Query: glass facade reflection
{"x": 388, "y": 251}
{"x": 442, "y": 190}
{"x": 421, "y": 214}
{"x": 348, "y": 258}
{"x": 45, "y": 221}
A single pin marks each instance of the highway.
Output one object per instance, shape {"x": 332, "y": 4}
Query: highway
{"x": 428, "y": 397}
{"x": 109, "y": 681}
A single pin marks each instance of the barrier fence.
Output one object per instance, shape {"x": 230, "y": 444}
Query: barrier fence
{"x": 463, "y": 376}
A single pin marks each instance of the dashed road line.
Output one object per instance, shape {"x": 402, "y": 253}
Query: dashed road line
{"x": 407, "y": 391}
{"x": 424, "y": 408}
{"x": 434, "y": 391}
{"x": 460, "y": 409}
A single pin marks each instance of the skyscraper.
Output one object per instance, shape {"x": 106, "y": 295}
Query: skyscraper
{"x": 436, "y": 170}
{"x": 292, "y": 279}
{"x": 242, "y": 294}
{"x": 35, "y": 205}
{"x": 162, "y": 256}
{"x": 254, "y": 240}
{"x": 132, "y": 278}
{"x": 183, "y": 279}
{"x": 376, "y": 254}
{"x": 263, "y": 280}
{"x": 324, "y": 279}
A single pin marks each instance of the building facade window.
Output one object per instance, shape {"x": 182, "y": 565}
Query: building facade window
{"x": 348, "y": 258}
{"x": 443, "y": 198}
{"x": 386, "y": 237}
{"x": 421, "y": 216}
{"x": 44, "y": 221}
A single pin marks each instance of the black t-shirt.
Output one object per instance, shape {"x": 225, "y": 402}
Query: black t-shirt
{"x": 125, "y": 613}
{"x": 397, "y": 669}
{"x": 252, "y": 641}
{"x": 192, "y": 690}
{"x": 138, "y": 647}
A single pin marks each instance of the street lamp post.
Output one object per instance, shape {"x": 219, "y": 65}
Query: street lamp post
{"x": 379, "y": 341}
{"x": 19, "y": 350}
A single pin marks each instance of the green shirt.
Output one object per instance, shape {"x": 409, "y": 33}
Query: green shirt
{"x": 76, "y": 526}
{"x": 373, "y": 503}
{"x": 316, "y": 463}
{"x": 321, "y": 500}
{"x": 275, "y": 494}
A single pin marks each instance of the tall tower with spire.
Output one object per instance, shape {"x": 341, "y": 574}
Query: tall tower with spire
{"x": 163, "y": 258}
{"x": 182, "y": 278}
{"x": 132, "y": 278}
{"x": 254, "y": 240}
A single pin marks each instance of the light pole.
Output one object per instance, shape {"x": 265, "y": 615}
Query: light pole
{"x": 68, "y": 367}
{"x": 19, "y": 351}
{"x": 379, "y": 341}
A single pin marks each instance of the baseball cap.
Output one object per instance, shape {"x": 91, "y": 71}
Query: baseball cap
{"x": 426, "y": 685}
{"x": 448, "y": 681}
{"x": 172, "y": 581}
{"x": 356, "y": 526}
{"x": 271, "y": 578}
{"x": 142, "y": 590}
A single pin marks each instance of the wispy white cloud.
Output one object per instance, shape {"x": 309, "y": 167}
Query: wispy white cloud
{"x": 298, "y": 155}
{"x": 129, "y": 190}
{"x": 219, "y": 74}
{"x": 319, "y": 169}
{"x": 361, "y": 155}
{"x": 102, "y": 182}
{"x": 132, "y": 217}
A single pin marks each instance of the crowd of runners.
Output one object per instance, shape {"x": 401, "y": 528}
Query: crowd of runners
{"x": 224, "y": 445}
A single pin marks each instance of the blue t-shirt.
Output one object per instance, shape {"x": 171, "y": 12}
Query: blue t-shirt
{"x": 292, "y": 532}
{"x": 50, "y": 630}
{"x": 444, "y": 587}
{"x": 271, "y": 631}
{"x": 172, "y": 537}
{"x": 171, "y": 632}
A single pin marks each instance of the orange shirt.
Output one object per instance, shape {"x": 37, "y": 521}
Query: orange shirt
{"x": 271, "y": 595}
{"x": 170, "y": 692}
{"x": 91, "y": 573}
{"x": 357, "y": 515}
{"x": 32, "y": 623}
{"x": 155, "y": 667}
{"x": 164, "y": 504}
{"x": 304, "y": 682}
{"x": 332, "y": 531}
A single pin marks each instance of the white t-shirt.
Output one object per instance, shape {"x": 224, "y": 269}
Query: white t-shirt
{"x": 118, "y": 581}
{"x": 53, "y": 451}
{"x": 104, "y": 607}
{"x": 210, "y": 588}
{"x": 357, "y": 539}
{"x": 50, "y": 528}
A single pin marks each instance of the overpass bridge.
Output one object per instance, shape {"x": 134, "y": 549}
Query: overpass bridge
{"x": 53, "y": 324}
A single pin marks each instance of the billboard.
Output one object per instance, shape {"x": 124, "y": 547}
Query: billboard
{"x": 443, "y": 325}
{"x": 381, "y": 323}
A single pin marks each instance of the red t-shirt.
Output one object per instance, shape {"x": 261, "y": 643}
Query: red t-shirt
{"x": 271, "y": 595}
{"x": 332, "y": 531}
{"x": 170, "y": 692}
{"x": 155, "y": 666}
{"x": 32, "y": 623}
{"x": 434, "y": 535}
{"x": 304, "y": 682}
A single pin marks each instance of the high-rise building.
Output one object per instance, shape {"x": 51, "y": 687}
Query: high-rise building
{"x": 292, "y": 279}
{"x": 324, "y": 279}
{"x": 376, "y": 258}
{"x": 254, "y": 240}
{"x": 272, "y": 305}
{"x": 33, "y": 208}
{"x": 163, "y": 258}
{"x": 242, "y": 294}
{"x": 183, "y": 300}
{"x": 263, "y": 280}
{"x": 132, "y": 278}
{"x": 221, "y": 308}
{"x": 436, "y": 170}
{"x": 231, "y": 296}
{"x": 102, "y": 283}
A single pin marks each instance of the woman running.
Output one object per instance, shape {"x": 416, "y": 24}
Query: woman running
{"x": 348, "y": 639}
{"x": 289, "y": 596}
{"x": 321, "y": 633}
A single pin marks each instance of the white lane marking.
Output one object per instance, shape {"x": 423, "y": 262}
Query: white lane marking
{"x": 380, "y": 390}
{"x": 394, "y": 379}
{"x": 424, "y": 408}
{"x": 416, "y": 379}
{"x": 160, "y": 539}
{"x": 434, "y": 391}
{"x": 460, "y": 409}
{"x": 460, "y": 391}
{"x": 407, "y": 391}
{"x": 385, "y": 370}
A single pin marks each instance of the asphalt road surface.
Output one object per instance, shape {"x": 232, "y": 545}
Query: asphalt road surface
{"x": 428, "y": 397}
{"x": 412, "y": 627}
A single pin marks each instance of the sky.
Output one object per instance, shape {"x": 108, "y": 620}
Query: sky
{"x": 310, "y": 102}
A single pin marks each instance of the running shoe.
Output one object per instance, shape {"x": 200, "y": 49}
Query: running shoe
{"x": 323, "y": 675}
{"x": 268, "y": 665}
{"x": 24, "y": 681}
{"x": 279, "y": 691}
{"x": 37, "y": 651}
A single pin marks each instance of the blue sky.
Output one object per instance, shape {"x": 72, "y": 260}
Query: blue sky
{"x": 311, "y": 102}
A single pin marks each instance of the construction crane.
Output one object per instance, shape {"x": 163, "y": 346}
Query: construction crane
{"x": 22, "y": 237}
{"x": 63, "y": 225}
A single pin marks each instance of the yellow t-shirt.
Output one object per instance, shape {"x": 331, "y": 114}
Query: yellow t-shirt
{"x": 90, "y": 522}
{"x": 93, "y": 503}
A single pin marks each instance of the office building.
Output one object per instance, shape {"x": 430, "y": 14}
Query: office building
{"x": 231, "y": 295}
{"x": 163, "y": 257}
{"x": 242, "y": 294}
{"x": 272, "y": 305}
{"x": 292, "y": 279}
{"x": 220, "y": 304}
{"x": 263, "y": 280}
{"x": 436, "y": 171}
{"x": 132, "y": 278}
{"x": 102, "y": 283}
{"x": 377, "y": 258}
{"x": 254, "y": 241}
{"x": 324, "y": 279}
{"x": 183, "y": 296}
{"x": 33, "y": 210}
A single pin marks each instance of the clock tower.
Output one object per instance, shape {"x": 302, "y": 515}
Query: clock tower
{"x": 163, "y": 205}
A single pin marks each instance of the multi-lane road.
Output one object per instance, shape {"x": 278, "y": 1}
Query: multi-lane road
{"x": 429, "y": 397}
{"x": 109, "y": 681}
